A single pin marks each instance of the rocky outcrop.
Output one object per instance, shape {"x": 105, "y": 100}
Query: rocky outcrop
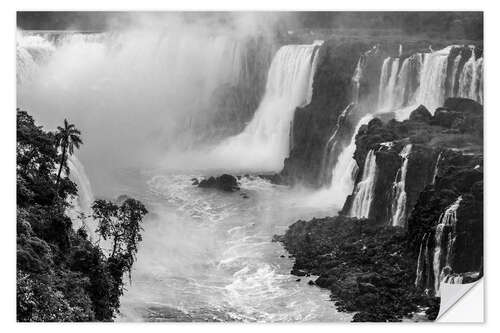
{"x": 386, "y": 273}
{"x": 368, "y": 269}
{"x": 455, "y": 126}
{"x": 225, "y": 182}
{"x": 313, "y": 123}
{"x": 461, "y": 246}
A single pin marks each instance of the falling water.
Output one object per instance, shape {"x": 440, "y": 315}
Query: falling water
{"x": 398, "y": 208}
{"x": 436, "y": 168}
{"x": 388, "y": 86}
{"x": 363, "y": 194}
{"x": 327, "y": 163}
{"x": 454, "y": 72}
{"x": 170, "y": 91}
{"x": 449, "y": 220}
{"x": 470, "y": 80}
{"x": 82, "y": 204}
{"x": 421, "y": 261}
{"x": 331, "y": 144}
{"x": 384, "y": 78}
{"x": 264, "y": 143}
{"x": 356, "y": 78}
{"x": 433, "y": 79}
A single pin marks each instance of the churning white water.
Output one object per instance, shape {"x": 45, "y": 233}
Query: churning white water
{"x": 265, "y": 142}
{"x": 208, "y": 256}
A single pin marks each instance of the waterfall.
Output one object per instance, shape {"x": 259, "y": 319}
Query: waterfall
{"x": 471, "y": 77}
{"x": 384, "y": 77}
{"x": 264, "y": 143}
{"x": 422, "y": 79}
{"x": 433, "y": 78}
{"x": 447, "y": 220}
{"x": 387, "y": 86}
{"x": 398, "y": 85}
{"x": 345, "y": 170}
{"x": 454, "y": 72}
{"x": 436, "y": 168}
{"x": 421, "y": 261}
{"x": 398, "y": 207}
{"x": 179, "y": 86}
{"x": 363, "y": 194}
{"x": 81, "y": 205}
{"x": 356, "y": 78}
{"x": 331, "y": 144}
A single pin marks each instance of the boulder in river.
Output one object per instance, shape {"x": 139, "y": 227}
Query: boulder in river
{"x": 225, "y": 182}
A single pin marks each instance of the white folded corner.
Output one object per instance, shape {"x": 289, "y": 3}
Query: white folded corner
{"x": 462, "y": 303}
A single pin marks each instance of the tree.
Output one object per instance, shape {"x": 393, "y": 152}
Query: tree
{"x": 67, "y": 138}
{"x": 122, "y": 225}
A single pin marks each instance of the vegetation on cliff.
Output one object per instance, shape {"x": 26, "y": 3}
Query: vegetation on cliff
{"x": 61, "y": 274}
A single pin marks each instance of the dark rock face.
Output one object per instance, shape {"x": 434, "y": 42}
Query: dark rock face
{"x": 421, "y": 114}
{"x": 367, "y": 268}
{"x": 458, "y": 175}
{"x": 428, "y": 135}
{"x": 313, "y": 124}
{"x": 225, "y": 183}
{"x": 371, "y": 267}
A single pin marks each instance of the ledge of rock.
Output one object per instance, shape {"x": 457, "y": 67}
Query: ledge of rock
{"x": 225, "y": 182}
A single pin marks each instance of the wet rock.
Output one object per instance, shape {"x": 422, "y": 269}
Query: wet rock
{"x": 225, "y": 182}
{"x": 421, "y": 114}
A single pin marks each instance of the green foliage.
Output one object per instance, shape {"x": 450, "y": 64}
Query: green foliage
{"x": 61, "y": 275}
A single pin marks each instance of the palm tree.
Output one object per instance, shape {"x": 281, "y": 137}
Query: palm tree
{"x": 67, "y": 138}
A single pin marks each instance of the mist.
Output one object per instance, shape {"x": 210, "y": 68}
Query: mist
{"x": 141, "y": 90}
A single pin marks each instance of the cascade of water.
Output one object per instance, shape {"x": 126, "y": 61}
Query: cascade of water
{"x": 363, "y": 194}
{"x": 82, "y": 205}
{"x": 397, "y": 87}
{"x": 471, "y": 77}
{"x": 454, "y": 72}
{"x": 345, "y": 170}
{"x": 264, "y": 143}
{"x": 421, "y": 261}
{"x": 331, "y": 144}
{"x": 30, "y": 51}
{"x": 447, "y": 219}
{"x": 312, "y": 72}
{"x": 436, "y": 168}
{"x": 398, "y": 207}
{"x": 356, "y": 78}
{"x": 332, "y": 141}
{"x": 384, "y": 77}
{"x": 387, "y": 92}
{"x": 175, "y": 80}
{"x": 433, "y": 78}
